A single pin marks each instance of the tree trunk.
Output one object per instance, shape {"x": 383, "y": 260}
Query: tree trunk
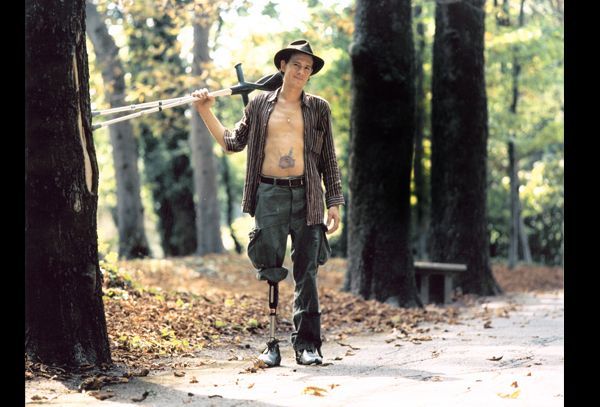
{"x": 130, "y": 211}
{"x": 208, "y": 230}
{"x": 419, "y": 170}
{"x": 171, "y": 180}
{"x": 64, "y": 313}
{"x": 459, "y": 145}
{"x": 230, "y": 198}
{"x": 517, "y": 227}
{"x": 513, "y": 246}
{"x": 380, "y": 263}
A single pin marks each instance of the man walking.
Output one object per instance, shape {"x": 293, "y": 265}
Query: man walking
{"x": 290, "y": 153}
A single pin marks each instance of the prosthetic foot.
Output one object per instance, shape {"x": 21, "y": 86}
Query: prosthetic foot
{"x": 271, "y": 355}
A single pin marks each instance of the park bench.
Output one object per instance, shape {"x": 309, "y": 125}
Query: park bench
{"x": 424, "y": 270}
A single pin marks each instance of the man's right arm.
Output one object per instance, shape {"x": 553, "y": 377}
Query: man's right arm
{"x": 203, "y": 107}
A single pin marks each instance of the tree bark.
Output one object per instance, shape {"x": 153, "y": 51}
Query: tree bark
{"x": 422, "y": 206}
{"x": 517, "y": 227}
{"x": 208, "y": 230}
{"x": 513, "y": 246}
{"x": 459, "y": 145}
{"x": 230, "y": 198}
{"x": 380, "y": 263}
{"x": 130, "y": 211}
{"x": 64, "y": 314}
{"x": 172, "y": 182}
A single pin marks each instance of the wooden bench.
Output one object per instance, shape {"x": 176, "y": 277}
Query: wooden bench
{"x": 423, "y": 270}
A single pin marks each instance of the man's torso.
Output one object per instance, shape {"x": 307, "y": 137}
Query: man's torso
{"x": 284, "y": 143}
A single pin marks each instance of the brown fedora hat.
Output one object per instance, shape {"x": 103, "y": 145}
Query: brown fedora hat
{"x": 298, "y": 46}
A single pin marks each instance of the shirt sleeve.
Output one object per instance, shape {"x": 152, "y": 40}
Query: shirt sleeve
{"x": 328, "y": 163}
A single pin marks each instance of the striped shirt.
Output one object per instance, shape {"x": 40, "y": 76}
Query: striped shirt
{"x": 320, "y": 163}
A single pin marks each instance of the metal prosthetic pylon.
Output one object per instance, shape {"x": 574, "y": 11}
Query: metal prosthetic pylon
{"x": 271, "y": 355}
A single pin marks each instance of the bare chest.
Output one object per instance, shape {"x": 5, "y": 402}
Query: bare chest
{"x": 284, "y": 144}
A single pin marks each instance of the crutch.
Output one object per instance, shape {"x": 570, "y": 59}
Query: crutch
{"x": 268, "y": 82}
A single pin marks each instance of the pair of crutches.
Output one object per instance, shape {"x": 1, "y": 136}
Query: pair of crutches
{"x": 268, "y": 82}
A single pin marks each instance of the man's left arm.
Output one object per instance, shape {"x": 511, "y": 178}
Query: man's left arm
{"x": 331, "y": 173}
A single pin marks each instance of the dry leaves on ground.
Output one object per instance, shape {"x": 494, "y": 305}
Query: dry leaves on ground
{"x": 161, "y": 311}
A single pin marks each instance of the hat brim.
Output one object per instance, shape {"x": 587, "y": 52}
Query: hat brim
{"x": 284, "y": 54}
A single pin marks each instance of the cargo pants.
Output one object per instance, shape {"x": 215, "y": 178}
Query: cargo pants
{"x": 281, "y": 211}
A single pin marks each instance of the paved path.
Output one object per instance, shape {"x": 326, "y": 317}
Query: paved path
{"x": 518, "y": 360}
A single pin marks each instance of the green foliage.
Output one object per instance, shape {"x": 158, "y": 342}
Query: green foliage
{"x": 536, "y": 127}
{"x": 155, "y": 54}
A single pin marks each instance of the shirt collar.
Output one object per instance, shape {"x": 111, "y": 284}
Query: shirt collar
{"x": 275, "y": 94}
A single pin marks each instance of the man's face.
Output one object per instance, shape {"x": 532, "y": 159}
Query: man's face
{"x": 298, "y": 69}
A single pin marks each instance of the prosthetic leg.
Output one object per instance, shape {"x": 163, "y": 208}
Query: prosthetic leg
{"x": 271, "y": 355}
{"x": 272, "y": 275}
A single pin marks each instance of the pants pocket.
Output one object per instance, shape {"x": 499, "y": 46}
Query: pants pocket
{"x": 256, "y": 251}
{"x": 324, "y": 249}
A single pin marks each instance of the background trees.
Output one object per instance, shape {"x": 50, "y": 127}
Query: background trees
{"x": 249, "y": 31}
{"x": 130, "y": 211}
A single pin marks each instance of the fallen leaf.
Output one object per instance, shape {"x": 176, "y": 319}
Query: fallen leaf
{"x": 142, "y": 372}
{"x": 251, "y": 385}
{"x": 314, "y": 391}
{"x": 487, "y": 324}
{"x": 215, "y": 396}
{"x": 101, "y": 395}
{"x": 333, "y": 386}
{"x": 142, "y": 397}
{"x": 528, "y": 374}
{"x": 515, "y": 384}
{"x": 348, "y": 345}
{"x": 495, "y": 358}
{"x": 193, "y": 380}
{"x": 179, "y": 373}
{"x": 512, "y": 395}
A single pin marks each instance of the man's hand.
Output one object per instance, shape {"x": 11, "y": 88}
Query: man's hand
{"x": 333, "y": 214}
{"x": 205, "y": 101}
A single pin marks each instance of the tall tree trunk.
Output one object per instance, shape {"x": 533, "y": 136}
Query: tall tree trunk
{"x": 171, "y": 180}
{"x": 208, "y": 230}
{"x": 380, "y": 263}
{"x": 419, "y": 170}
{"x": 230, "y": 198}
{"x": 64, "y": 313}
{"x": 130, "y": 211}
{"x": 459, "y": 145}
{"x": 517, "y": 227}
{"x": 513, "y": 246}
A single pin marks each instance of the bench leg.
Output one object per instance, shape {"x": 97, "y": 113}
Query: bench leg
{"x": 425, "y": 288}
{"x": 447, "y": 288}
